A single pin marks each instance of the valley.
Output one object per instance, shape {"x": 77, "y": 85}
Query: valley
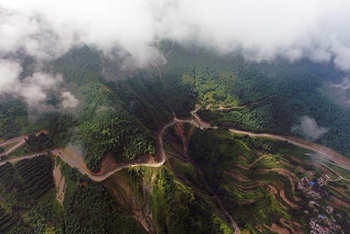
{"x": 174, "y": 117}
{"x": 188, "y": 147}
{"x": 240, "y": 171}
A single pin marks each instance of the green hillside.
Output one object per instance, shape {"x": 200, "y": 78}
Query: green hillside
{"x": 212, "y": 179}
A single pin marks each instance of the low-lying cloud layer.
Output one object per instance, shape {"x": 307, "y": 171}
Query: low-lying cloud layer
{"x": 32, "y": 88}
{"x": 69, "y": 101}
{"x": 260, "y": 30}
{"x": 309, "y": 128}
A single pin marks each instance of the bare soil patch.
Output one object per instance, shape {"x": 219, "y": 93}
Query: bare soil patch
{"x": 59, "y": 183}
{"x": 247, "y": 167}
{"x": 75, "y": 155}
{"x": 138, "y": 206}
{"x": 296, "y": 227}
{"x": 179, "y": 128}
{"x": 278, "y": 229}
{"x": 291, "y": 177}
{"x": 243, "y": 158}
{"x": 258, "y": 227}
{"x": 340, "y": 202}
{"x": 272, "y": 189}
{"x": 236, "y": 175}
{"x": 286, "y": 200}
{"x": 301, "y": 169}
{"x": 107, "y": 164}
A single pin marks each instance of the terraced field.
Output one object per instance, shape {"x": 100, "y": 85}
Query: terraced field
{"x": 266, "y": 190}
{"x": 249, "y": 179}
{"x": 258, "y": 186}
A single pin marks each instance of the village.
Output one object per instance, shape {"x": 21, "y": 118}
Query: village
{"x": 324, "y": 216}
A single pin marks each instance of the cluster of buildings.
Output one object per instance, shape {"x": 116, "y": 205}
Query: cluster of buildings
{"x": 327, "y": 226}
{"x": 317, "y": 228}
{"x": 321, "y": 181}
{"x": 308, "y": 187}
{"x": 322, "y": 223}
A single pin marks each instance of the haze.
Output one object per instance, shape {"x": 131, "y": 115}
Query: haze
{"x": 259, "y": 30}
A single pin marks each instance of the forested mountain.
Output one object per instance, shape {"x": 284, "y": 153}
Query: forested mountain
{"x": 256, "y": 97}
{"x": 210, "y": 177}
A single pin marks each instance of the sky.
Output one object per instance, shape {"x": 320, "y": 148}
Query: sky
{"x": 260, "y": 30}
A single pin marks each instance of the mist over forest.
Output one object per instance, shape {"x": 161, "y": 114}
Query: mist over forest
{"x": 128, "y": 32}
{"x": 174, "y": 116}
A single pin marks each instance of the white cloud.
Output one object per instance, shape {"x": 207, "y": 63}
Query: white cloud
{"x": 9, "y": 72}
{"x": 32, "y": 88}
{"x": 69, "y": 101}
{"x": 268, "y": 28}
{"x": 261, "y": 30}
{"x": 344, "y": 85}
{"x": 338, "y": 92}
{"x": 309, "y": 128}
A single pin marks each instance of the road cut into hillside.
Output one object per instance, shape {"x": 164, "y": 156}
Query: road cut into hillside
{"x": 323, "y": 152}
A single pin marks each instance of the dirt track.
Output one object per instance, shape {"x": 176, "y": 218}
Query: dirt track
{"x": 20, "y": 141}
{"x": 322, "y": 151}
{"x": 81, "y": 169}
{"x": 13, "y": 160}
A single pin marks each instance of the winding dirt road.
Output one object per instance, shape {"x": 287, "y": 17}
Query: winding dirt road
{"x": 106, "y": 175}
{"x": 20, "y": 141}
{"x": 323, "y": 152}
{"x": 82, "y": 170}
{"x": 13, "y": 160}
{"x": 19, "y": 138}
